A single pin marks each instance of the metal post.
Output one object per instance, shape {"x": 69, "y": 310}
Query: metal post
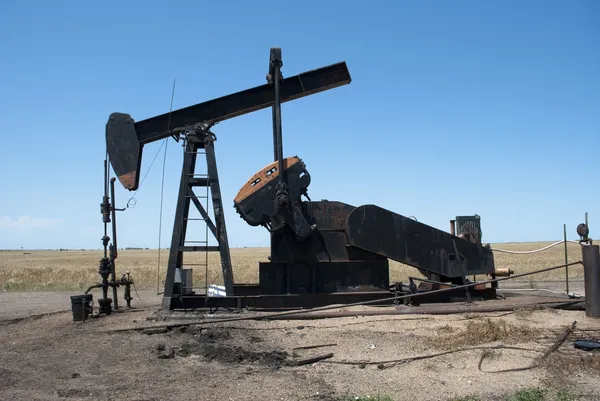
{"x": 221, "y": 231}
{"x": 180, "y": 223}
{"x": 566, "y": 258}
{"x": 104, "y": 263}
{"x": 106, "y": 217}
{"x": 115, "y": 249}
{"x": 591, "y": 278}
{"x": 275, "y": 67}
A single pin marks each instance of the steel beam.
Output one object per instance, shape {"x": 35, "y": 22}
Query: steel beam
{"x": 126, "y": 138}
{"x": 244, "y": 102}
{"x": 219, "y": 213}
{"x": 385, "y": 233}
{"x": 180, "y": 223}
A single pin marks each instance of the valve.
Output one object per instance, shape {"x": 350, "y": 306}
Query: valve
{"x": 105, "y": 209}
{"x": 104, "y": 269}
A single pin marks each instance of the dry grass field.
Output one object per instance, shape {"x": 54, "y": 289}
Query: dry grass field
{"x": 75, "y": 270}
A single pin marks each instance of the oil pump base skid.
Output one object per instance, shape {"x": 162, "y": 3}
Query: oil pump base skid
{"x": 250, "y": 296}
{"x": 324, "y": 277}
{"x": 276, "y": 301}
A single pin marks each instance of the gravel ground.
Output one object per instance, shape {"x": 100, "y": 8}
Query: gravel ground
{"x": 19, "y": 305}
{"x": 54, "y": 358}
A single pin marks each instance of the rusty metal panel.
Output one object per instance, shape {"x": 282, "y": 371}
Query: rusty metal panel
{"x": 328, "y": 215}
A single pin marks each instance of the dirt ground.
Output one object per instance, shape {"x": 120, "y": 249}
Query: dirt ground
{"x": 19, "y": 305}
{"x": 53, "y": 358}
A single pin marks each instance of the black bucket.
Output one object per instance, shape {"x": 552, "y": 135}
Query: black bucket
{"x": 80, "y": 306}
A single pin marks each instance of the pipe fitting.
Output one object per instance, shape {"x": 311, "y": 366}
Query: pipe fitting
{"x": 503, "y": 272}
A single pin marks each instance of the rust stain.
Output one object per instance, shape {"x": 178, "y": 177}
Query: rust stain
{"x": 128, "y": 179}
{"x": 263, "y": 177}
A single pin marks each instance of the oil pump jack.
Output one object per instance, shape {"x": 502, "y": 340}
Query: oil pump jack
{"x": 321, "y": 252}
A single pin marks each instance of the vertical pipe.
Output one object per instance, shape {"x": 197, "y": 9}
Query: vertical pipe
{"x": 453, "y": 227}
{"x": 105, "y": 218}
{"x": 591, "y": 279}
{"x": 586, "y": 220}
{"x": 275, "y": 142}
{"x": 566, "y": 258}
{"x": 114, "y": 252}
{"x": 114, "y": 215}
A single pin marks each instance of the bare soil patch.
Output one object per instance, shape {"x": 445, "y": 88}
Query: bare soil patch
{"x": 53, "y": 358}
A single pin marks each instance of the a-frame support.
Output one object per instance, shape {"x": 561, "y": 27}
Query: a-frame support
{"x": 195, "y": 140}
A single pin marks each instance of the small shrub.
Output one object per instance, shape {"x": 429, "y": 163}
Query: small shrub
{"x": 528, "y": 394}
{"x": 565, "y": 395}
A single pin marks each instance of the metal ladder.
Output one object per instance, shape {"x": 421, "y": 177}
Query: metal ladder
{"x": 201, "y": 143}
{"x": 199, "y": 245}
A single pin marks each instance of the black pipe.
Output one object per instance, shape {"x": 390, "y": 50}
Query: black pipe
{"x": 566, "y": 258}
{"x": 105, "y": 219}
{"x": 114, "y": 217}
{"x": 92, "y": 287}
{"x": 275, "y": 142}
{"x": 114, "y": 249}
{"x": 101, "y": 285}
{"x": 438, "y": 310}
{"x": 591, "y": 279}
{"x": 104, "y": 211}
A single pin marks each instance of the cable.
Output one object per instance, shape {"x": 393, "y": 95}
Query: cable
{"x": 393, "y": 362}
{"x": 132, "y": 199}
{"x": 138, "y": 295}
{"x": 162, "y": 186}
{"x": 486, "y": 353}
{"x": 531, "y": 289}
{"x": 534, "y": 364}
{"x": 162, "y": 190}
{"x": 374, "y": 301}
{"x": 535, "y": 250}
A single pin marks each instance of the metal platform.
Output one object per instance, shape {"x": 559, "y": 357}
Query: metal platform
{"x": 250, "y": 297}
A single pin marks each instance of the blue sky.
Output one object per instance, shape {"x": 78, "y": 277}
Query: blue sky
{"x": 454, "y": 108}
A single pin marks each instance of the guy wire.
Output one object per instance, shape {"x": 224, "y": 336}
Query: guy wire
{"x": 162, "y": 187}
{"x": 132, "y": 201}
